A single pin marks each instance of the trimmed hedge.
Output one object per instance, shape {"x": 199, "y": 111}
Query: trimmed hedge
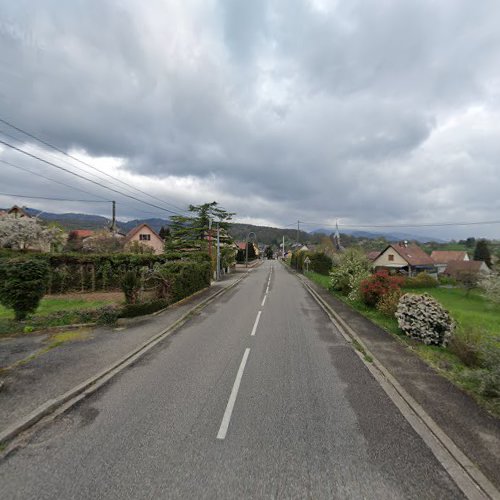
{"x": 133, "y": 310}
{"x": 93, "y": 272}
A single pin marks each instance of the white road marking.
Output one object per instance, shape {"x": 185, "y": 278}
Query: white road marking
{"x": 263, "y": 301}
{"x": 232, "y": 398}
{"x": 257, "y": 319}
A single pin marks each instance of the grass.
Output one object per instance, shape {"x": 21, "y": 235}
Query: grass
{"x": 472, "y": 311}
{"x": 49, "y": 305}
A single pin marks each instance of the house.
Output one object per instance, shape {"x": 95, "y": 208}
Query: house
{"x": 372, "y": 255}
{"x": 18, "y": 212}
{"x": 406, "y": 258}
{"x": 253, "y": 251}
{"x": 443, "y": 257}
{"x": 458, "y": 269}
{"x": 145, "y": 235}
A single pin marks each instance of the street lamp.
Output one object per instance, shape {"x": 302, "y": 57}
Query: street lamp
{"x": 246, "y": 246}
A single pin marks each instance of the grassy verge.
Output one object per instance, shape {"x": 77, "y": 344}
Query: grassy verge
{"x": 58, "y": 311}
{"x": 472, "y": 312}
{"x": 49, "y": 305}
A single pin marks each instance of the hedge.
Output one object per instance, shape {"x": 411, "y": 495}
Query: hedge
{"x": 94, "y": 272}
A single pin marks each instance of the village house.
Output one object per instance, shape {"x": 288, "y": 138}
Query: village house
{"x": 406, "y": 258}
{"x": 458, "y": 269}
{"x": 442, "y": 258}
{"x": 145, "y": 235}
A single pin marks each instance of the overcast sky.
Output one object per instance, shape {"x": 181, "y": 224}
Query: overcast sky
{"x": 372, "y": 111}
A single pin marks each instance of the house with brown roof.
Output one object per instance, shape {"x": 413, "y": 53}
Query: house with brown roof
{"x": 443, "y": 257}
{"x": 145, "y": 235}
{"x": 461, "y": 268}
{"x": 406, "y": 258}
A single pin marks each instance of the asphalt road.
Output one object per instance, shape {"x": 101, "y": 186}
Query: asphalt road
{"x": 216, "y": 412}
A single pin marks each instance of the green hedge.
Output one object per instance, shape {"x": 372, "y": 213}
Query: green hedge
{"x": 133, "y": 310}
{"x": 186, "y": 278}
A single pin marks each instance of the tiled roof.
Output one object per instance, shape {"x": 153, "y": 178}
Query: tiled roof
{"x": 81, "y": 233}
{"x": 413, "y": 254}
{"x": 461, "y": 266}
{"x": 373, "y": 255}
{"x": 446, "y": 256}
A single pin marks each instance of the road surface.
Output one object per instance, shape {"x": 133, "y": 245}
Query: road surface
{"x": 259, "y": 396}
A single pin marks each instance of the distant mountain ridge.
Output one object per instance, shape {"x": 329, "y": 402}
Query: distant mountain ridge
{"x": 265, "y": 234}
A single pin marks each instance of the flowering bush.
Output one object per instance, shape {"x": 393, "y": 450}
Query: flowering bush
{"x": 423, "y": 318}
{"x": 372, "y": 289}
{"x": 352, "y": 268}
{"x": 388, "y": 303}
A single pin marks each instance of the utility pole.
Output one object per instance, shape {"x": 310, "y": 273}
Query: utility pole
{"x": 113, "y": 217}
{"x": 210, "y": 239}
{"x": 218, "y": 253}
{"x": 283, "y": 248}
{"x": 298, "y": 229}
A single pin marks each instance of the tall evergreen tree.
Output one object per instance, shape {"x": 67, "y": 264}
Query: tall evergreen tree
{"x": 482, "y": 252}
{"x": 192, "y": 231}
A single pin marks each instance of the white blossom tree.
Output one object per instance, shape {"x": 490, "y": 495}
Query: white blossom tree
{"x": 490, "y": 285}
{"x": 25, "y": 233}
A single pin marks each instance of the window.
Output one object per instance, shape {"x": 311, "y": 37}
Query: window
{"x": 391, "y": 257}
{"x": 144, "y": 237}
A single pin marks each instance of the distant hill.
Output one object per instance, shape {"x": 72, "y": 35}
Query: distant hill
{"x": 389, "y": 236}
{"x": 239, "y": 232}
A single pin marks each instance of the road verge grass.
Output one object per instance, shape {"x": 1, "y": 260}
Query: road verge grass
{"x": 472, "y": 312}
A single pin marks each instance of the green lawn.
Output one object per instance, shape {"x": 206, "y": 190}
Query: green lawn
{"x": 49, "y": 305}
{"x": 472, "y": 312}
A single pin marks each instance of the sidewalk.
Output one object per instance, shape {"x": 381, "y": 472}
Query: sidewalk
{"x": 45, "y": 374}
{"x": 473, "y": 429}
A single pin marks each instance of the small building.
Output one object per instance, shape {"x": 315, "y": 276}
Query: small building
{"x": 406, "y": 258}
{"x": 372, "y": 255}
{"x": 458, "y": 269}
{"x": 443, "y": 257}
{"x": 145, "y": 235}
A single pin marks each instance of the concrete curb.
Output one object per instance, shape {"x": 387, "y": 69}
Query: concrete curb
{"x": 473, "y": 483}
{"x": 92, "y": 384}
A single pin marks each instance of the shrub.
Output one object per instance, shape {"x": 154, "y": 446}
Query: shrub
{"x": 421, "y": 280}
{"x": 177, "y": 280}
{"x": 388, "y": 303}
{"x": 372, "y": 289}
{"x": 346, "y": 276}
{"x": 131, "y": 285}
{"x": 320, "y": 263}
{"x": 133, "y": 310}
{"x": 467, "y": 346}
{"x": 107, "y": 315}
{"x": 423, "y": 318}
{"x": 491, "y": 287}
{"x": 487, "y": 379}
{"x": 446, "y": 280}
{"x": 22, "y": 285}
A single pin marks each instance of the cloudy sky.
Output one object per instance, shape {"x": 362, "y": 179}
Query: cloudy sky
{"x": 370, "y": 111}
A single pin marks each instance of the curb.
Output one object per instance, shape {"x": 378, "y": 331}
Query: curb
{"x": 473, "y": 483}
{"x": 92, "y": 384}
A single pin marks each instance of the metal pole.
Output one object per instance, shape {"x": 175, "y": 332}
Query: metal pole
{"x": 113, "y": 217}
{"x": 210, "y": 240}
{"x": 298, "y": 229}
{"x": 283, "y": 248}
{"x": 218, "y": 253}
{"x": 246, "y": 253}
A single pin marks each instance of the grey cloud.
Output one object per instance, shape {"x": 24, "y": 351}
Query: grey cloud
{"x": 316, "y": 114}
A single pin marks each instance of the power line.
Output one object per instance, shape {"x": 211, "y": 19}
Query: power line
{"x": 69, "y": 163}
{"x": 85, "y": 178}
{"x": 49, "y": 178}
{"x": 52, "y": 199}
{"x": 48, "y": 144}
{"x": 422, "y": 224}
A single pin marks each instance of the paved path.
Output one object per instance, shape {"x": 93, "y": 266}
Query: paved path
{"x": 236, "y": 404}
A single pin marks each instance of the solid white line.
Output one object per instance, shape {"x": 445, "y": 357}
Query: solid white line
{"x": 254, "y": 329}
{"x": 263, "y": 301}
{"x": 232, "y": 398}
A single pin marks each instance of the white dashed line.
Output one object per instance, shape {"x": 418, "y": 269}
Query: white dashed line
{"x": 232, "y": 398}
{"x": 257, "y": 319}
